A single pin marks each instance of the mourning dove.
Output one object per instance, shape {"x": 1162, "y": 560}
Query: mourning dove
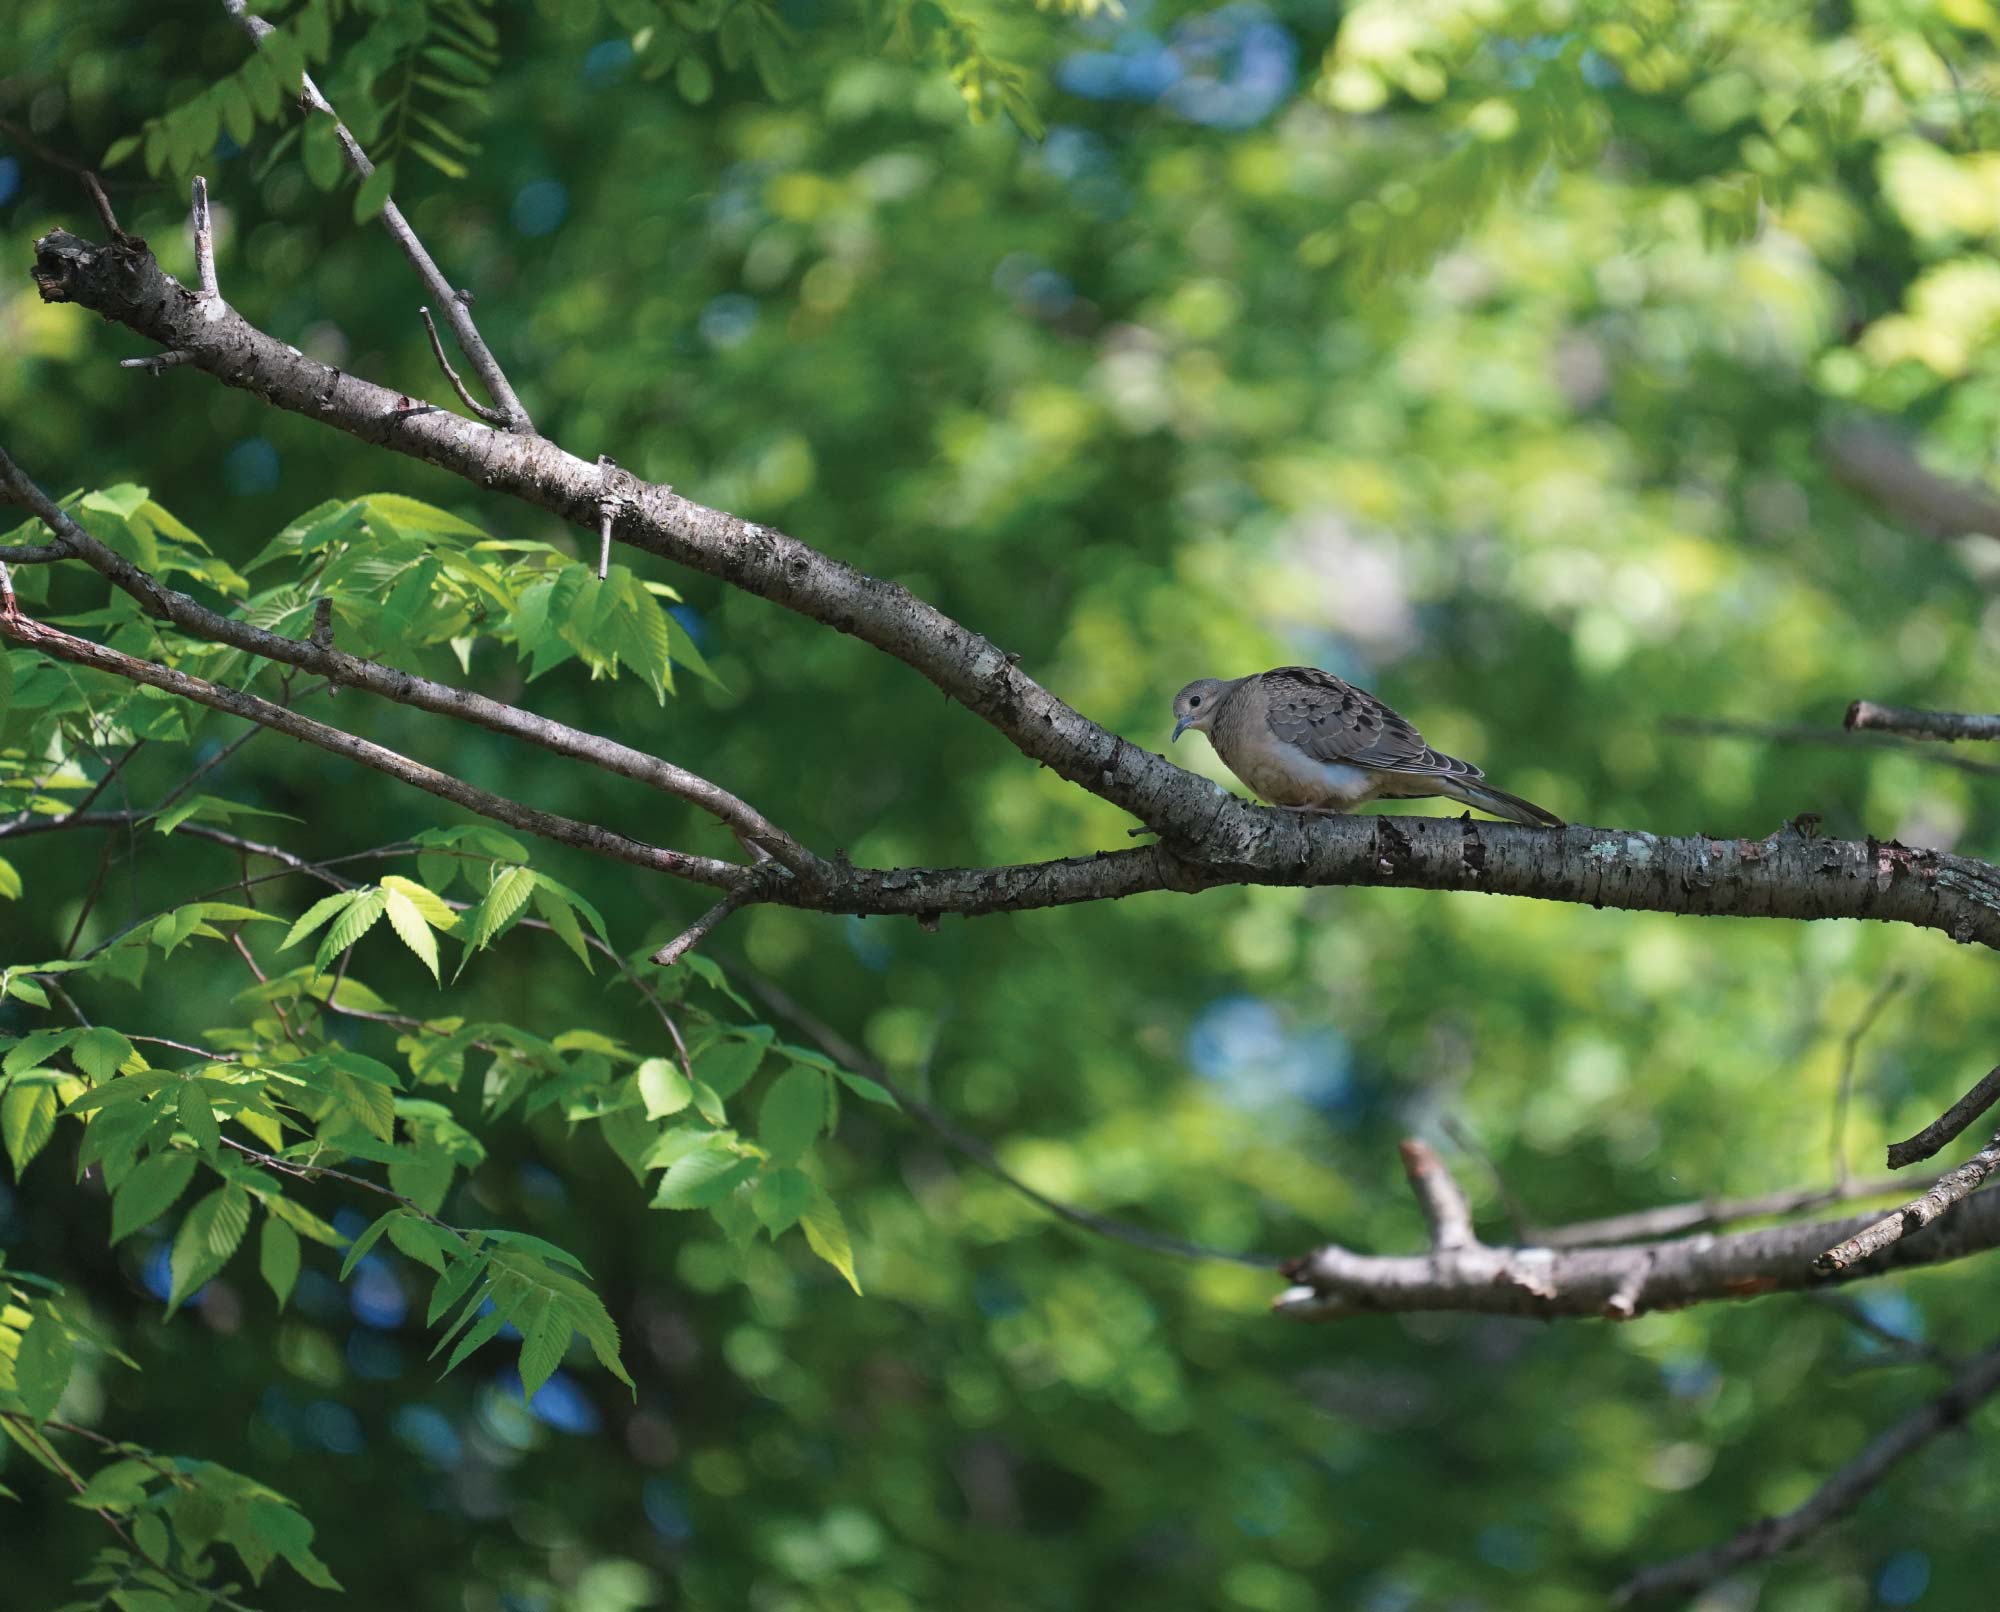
{"x": 1302, "y": 737}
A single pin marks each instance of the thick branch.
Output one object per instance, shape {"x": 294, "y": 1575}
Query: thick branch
{"x": 1914, "y": 724}
{"x": 1216, "y": 838}
{"x": 1874, "y": 460}
{"x": 1332, "y": 1283}
{"x": 1840, "y": 1494}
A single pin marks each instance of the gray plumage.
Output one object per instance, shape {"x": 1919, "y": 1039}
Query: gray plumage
{"x": 1305, "y": 738}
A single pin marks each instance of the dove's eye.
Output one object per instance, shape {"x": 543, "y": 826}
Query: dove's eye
{"x": 1193, "y": 701}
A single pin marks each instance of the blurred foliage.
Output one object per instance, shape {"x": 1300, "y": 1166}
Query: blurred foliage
{"x": 1483, "y": 351}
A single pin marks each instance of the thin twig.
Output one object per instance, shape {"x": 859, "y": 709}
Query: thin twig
{"x": 1783, "y": 733}
{"x": 1949, "y": 1124}
{"x": 156, "y": 363}
{"x": 1441, "y": 1198}
{"x": 693, "y": 935}
{"x": 454, "y": 303}
{"x": 1840, "y": 1494}
{"x": 1950, "y": 726}
{"x": 489, "y": 415}
{"x": 204, "y": 243}
{"x": 1674, "y": 1220}
{"x": 1920, "y": 1211}
{"x": 607, "y": 511}
{"x": 1850, "y": 1048}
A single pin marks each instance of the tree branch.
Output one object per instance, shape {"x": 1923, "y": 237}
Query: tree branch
{"x": 1840, "y": 1494}
{"x": 456, "y": 304}
{"x": 404, "y": 688}
{"x": 1949, "y": 726}
{"x": 1213, "y": 838}
{"x": 567, "y": 831}
{"x": 1984, "y": 1094}
{"x": 1950, "y": 1188}
{"x": 1618, "y": 1281}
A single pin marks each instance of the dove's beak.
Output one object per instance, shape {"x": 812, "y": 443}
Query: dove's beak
{"x": 1180, "y": 727}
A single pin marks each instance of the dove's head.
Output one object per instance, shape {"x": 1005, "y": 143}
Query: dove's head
{"x": 1194, "y": 706}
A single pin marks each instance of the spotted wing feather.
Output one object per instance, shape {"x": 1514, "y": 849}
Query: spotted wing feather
{"x": 1331, "y": 720}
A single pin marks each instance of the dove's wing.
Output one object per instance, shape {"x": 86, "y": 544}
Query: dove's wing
{"x": 1332, "y": 721}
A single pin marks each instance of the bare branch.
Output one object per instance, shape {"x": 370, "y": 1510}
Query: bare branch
{"x": 1839, "y": 1495}
{"x": 1620, "y": 1281}
{"x": 1209, "y": 837}
{"x": 1673, "y": 1220}
{"x": 490, "y": 416}
{"x": 1874, "y": 460}
{"x": 204, "y": 243}
{"x": 455, "y": 303}
{"x": 1950, "y": 1188}
{"x": 154, "y": 363}
{"x": 1792, "y": 733}
{"x": 702, "y": 927}
{"x": 1949, "y": 1124}
{"x": 1950, "y": 726}
{"x": 1850, "y": 1049}
{"x": 1442, "y": 1199}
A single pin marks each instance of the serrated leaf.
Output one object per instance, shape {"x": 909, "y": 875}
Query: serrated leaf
{"x": 35, "y": 1049}
{"x": 556, "y": 913}
{"x": 10, "y": 878}
{"x": 42, "y": 1363}
{"x": 826, "y": 1235}
{"x": 691, "y": 1177}
{"x": 100, "y": 1053}
{"x": 872, "y": 1091}
{"x": 437, "y": 912}
{"x": 153, "y": 1187}
{"x": 509, "y": 894}
{"x": 544, "y": 1341}
{"x": 351, "y": 925}
{"x": 728, "y": 1065}
{"x": 315, "y": 915}
{"x": 780, "y": 1197}
{"x": 367, "y": 1240}
{"x": 663, "y": 1087}
{"x": 208, "y": 1236}
{"x": 198, "y": 1118}
{"x": 793, "y": 1114}
{"x": 411, "y": 929}
{"x": 27, "y": 1121}
{"x": 278, "y": 1257}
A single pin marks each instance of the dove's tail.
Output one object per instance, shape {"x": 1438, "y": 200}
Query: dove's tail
{"x": 1467, "y": 792}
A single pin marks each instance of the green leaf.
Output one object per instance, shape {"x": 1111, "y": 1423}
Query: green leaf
{"x": 411, "y": 929}
{"x": 208, "y": 1236}
{"x": 33, "y": 1050}
{"x": 100, "y": 1053}
{"x": 198, "y": 1118}
{"x": 367, "y": 1240}
{"x": 728, "y": 1065}
{"x": 437, "y": 913}
{"x": 663, "y": 1087}
{"x": 42, "y": 1363}
{"x": 315, "y": 915}
{"x": 544, "y": 1341}
{"x": 10, "y": 879}
{"x": 153, "y": 1187}
{"x": 499, "y": 907}
{"x": 556, "y": 913}
{"x": 780, "y": 1197}
{"x": 793, "y": 1114}
{"x": 119, "y": 150}
{"x": 826, "y": 1235}
{"x": 868, "y": 1090}
{"x": 374, "y": 192}
{"x": 27, "y": 1121}
{"x": 413, "y": 515}
{"x": 691, "y": 1179}
{"x": 278, "y": 1257}
{"x": 354, "y": 922}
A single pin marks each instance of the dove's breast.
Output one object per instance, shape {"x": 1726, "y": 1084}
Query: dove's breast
{"x": 1286, "y": 776}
